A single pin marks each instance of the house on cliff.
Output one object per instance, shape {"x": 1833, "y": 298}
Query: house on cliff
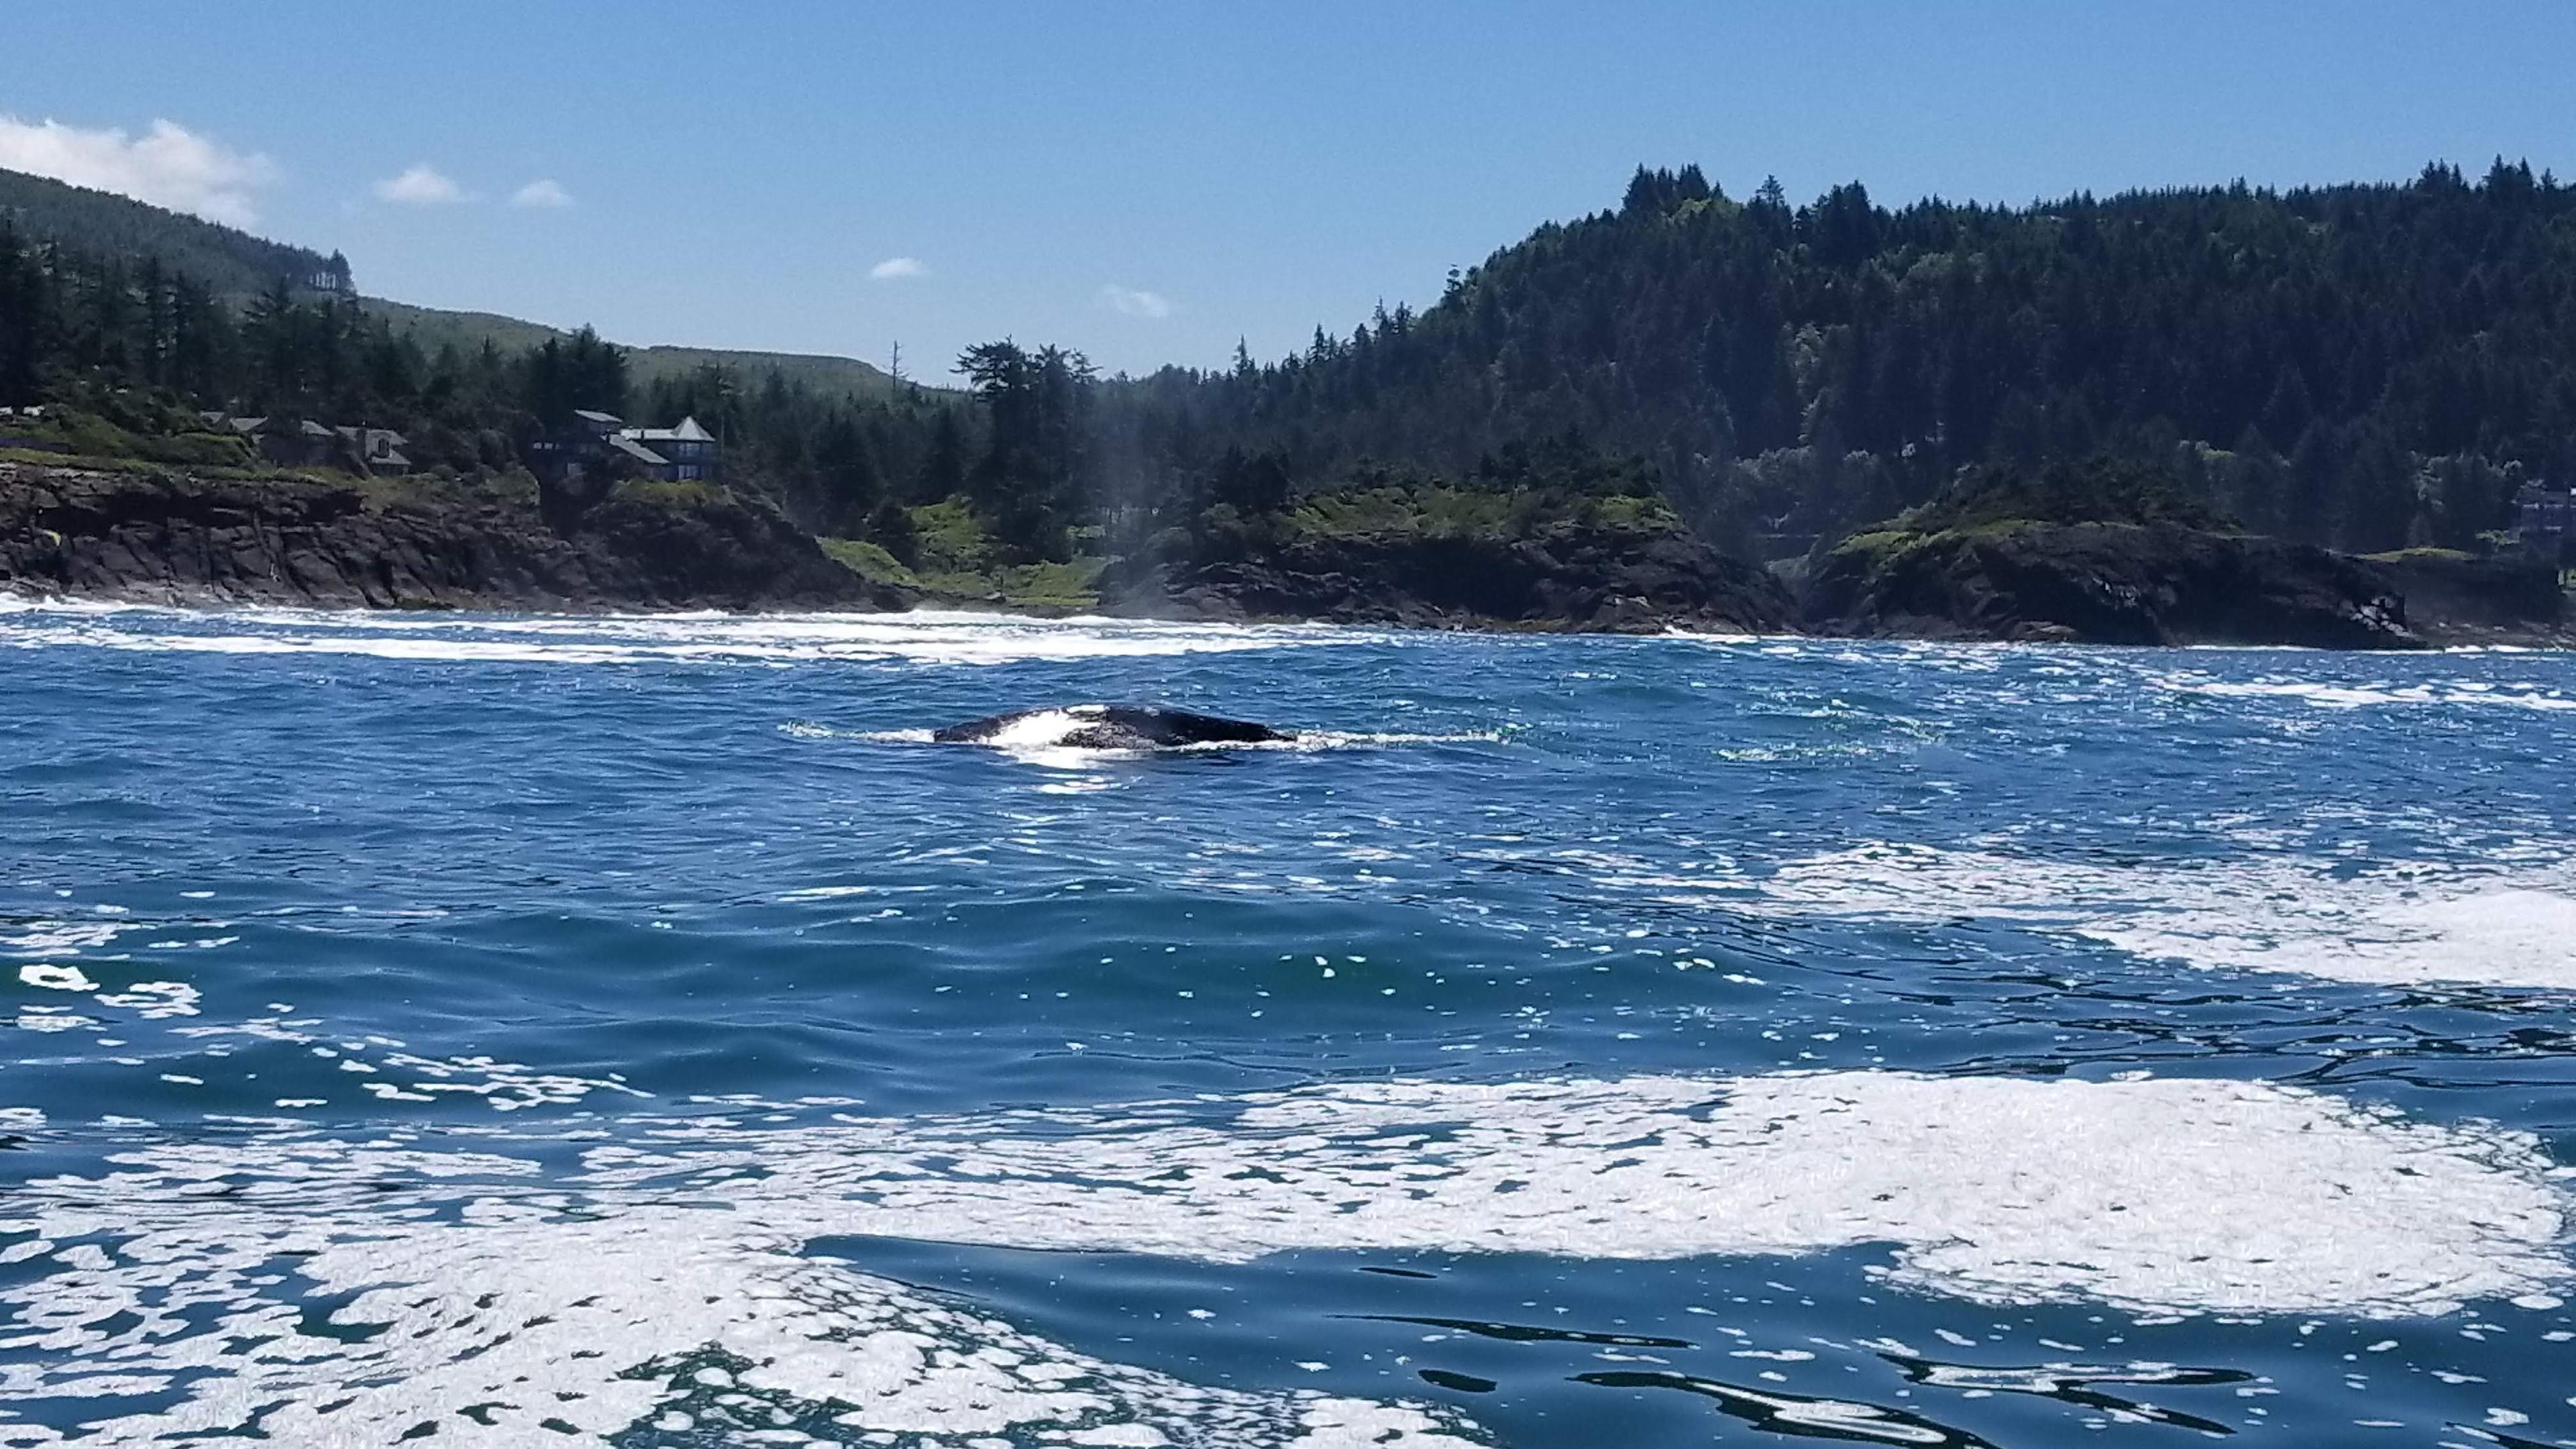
{"x": 303, "y": 443}
{"x": 2544, "y": 516}
{"x": 380, "y": 449}
{"x": 686, "y": 449}
{"x": 593, "y": 441}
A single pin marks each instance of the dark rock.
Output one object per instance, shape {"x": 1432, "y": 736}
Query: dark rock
{"x": 1606, "y": 582}
{"x": 2458, "y": 598}
{"x": 192, "y": 538}
{"x": 2106, "y": 583}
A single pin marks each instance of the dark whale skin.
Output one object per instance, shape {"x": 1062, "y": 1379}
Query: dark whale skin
{"x": 1121, "y": 727}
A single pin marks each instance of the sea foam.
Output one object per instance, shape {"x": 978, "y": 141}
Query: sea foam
{"x": 926, "y": 637}
{"x": 670, "y": 1274}
{"x": 2394, "y": 924}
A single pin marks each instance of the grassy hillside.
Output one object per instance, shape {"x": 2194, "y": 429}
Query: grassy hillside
{"x": 434, "y": 327}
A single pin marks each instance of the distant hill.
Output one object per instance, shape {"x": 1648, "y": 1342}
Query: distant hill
{"x": 233, "y": 263}
{"x": 237, "y": 265}
{"x": 433, "y": 328}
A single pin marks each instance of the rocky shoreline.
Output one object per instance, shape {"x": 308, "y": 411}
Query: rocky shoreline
{"x": 1570, "y": 582}
{"x": 2109, "y": 583}
{"x": 157, "y": 536}
{"x": 2170, "y": 584}
{"x": 150, "y": 536}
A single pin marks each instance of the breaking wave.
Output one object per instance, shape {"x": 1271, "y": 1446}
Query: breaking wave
{"x": 925, "y": 636}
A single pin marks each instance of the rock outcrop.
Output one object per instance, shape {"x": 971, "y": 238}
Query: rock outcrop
{"x": 1567, "y": 580}
{"x": 174, "y": 537}
{"x": 2105, "y": 583}
{"x": 2459, "y": 598}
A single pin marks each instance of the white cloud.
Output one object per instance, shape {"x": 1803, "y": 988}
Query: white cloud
{"x": 896, "y": 268}
{"x": 420, "y": 186}
{"x": 1136, "y": 303}
{"x": 167, "y": 166}
{"x": 544, "y": 194}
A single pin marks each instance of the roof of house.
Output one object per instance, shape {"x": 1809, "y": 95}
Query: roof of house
{"x": 687, "y": 431}
{"x": 638, "y": 451}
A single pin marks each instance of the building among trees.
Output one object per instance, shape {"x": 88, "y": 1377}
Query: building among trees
{"x": 595, "y": 442}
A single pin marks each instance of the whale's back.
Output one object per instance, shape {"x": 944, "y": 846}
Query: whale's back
{"x": 1106, "y": 727}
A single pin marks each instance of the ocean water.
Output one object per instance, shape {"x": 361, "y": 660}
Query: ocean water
{"x": 497, "y": 1030}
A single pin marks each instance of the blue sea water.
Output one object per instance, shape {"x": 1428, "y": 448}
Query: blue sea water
{"x": 499, "y": 1030}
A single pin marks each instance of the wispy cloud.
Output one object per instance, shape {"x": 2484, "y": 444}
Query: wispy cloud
{"x": 422, "y": 185}
{"x": 541, "y": 195}
{"x": 895, "y": 269}
{"x": 1136, "y": 303}
{"x": 168, "y": 165}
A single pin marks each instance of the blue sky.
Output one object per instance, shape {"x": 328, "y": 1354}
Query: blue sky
{"x": 1150, "y": 181}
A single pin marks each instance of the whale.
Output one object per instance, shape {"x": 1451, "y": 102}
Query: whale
{"x": 1106, "y": 727}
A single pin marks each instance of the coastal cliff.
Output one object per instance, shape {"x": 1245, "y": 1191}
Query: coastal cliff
{"x": 1426, "y": 557}
{"x": 162, "y": 536}
{"x": 1467, "y": 584}
{"x": 2459, "y": 598}
{"x": 2106, "y": 583}
{"x": 1418, "y": 559}
{"x": 2103, "y": 552}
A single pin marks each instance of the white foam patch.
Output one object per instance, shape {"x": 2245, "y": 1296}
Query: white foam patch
{"x": 668, "y": 1275}
{"x": 2179, "y": 1194}
{"x": 2340, "y": 695}
{"x": 771, "y": 639}
{"x": 59, "y": 938}
{"x": 517, "y": 1324}
{"x": 2395, "y": 925}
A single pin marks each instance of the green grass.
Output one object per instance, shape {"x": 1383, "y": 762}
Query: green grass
{"x": 1433, "y": 511}
{"x": 1884, "y": 545}
{"x": 1072, "y": 585}
{"x": 954, "y": 558}
{"x": 668, "y": 493}
{"x": 90, "y": 437}
{"x": 870, "y": 562}
{"x": 434, "y": 327}
{"x": 1878, "y": 544}
{"x": 2421, "y": 555}
{"x": 150, "y": 467}
{"x": 429, "y": 493}
{"x": 950, "y": 539}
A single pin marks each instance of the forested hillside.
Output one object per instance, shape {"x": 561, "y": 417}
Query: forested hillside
{"x": 2363, "y": 365}
{"x": 224, "y": 260}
